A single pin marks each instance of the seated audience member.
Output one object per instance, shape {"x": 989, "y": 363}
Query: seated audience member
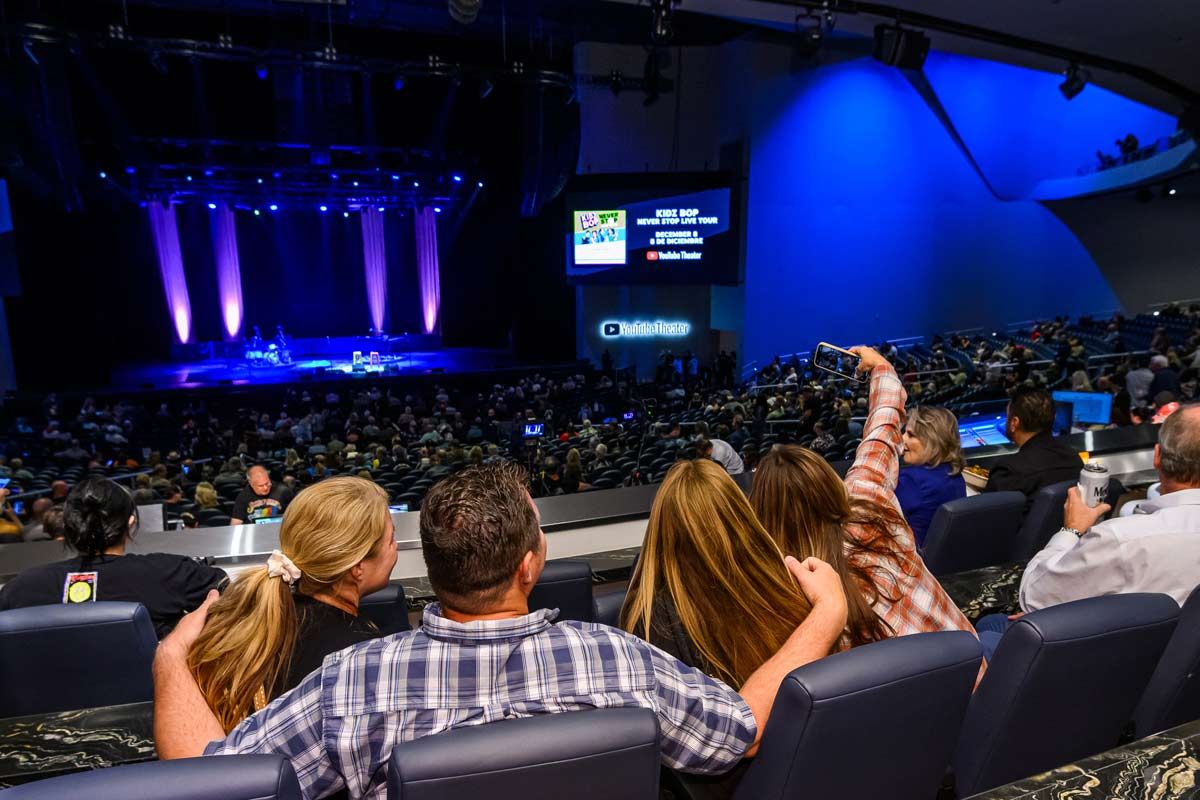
{"x": 1042, "y": 459}
{"x": 705, "y": 561}
{"x": 34, "y": 531}
{"x": 206, "y": 495}
{"x": 99, "y": 519}
{"x": 572, "y": 476}
{"x": 811, "y": 512}
{"x": 481, "y": 653}
{"x": 259, "y": 499}
{"x": 11, "y": 527}
{"x": 1156, "y": 549}
{"x": 1166, "y": 379}
{"x": 274, "y": 625}
{"x": 933, "y": 453}
{"x": 722, "y": 453}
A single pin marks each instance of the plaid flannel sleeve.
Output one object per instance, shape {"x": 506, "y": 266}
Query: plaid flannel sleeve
{"x": 290, "y": 726}
{"x": 706, "y": 727}
{"x": 876, "y": 466}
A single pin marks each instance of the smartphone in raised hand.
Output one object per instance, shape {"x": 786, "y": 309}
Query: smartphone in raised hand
{"x": 839, "y": 361}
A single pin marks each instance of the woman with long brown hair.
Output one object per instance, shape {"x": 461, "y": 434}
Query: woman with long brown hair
{"x": 855, "y": 524}
{"x": 277, "y": 623}
{"x": 711, "y": 587}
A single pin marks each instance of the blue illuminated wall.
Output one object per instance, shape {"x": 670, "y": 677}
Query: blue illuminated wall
{"x": 865, "y": 220}
{"x": 1020, "y": 128}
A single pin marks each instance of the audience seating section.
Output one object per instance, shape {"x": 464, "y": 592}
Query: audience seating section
{"x": 1173, "y": 695}
{"x": 586, "y": 755}
{"x": 1061, "y": 686}
{"x": 66, "y": 657}
{"x": 258, "y": 777}
{"x": 917, "y": 686}
{"x": 973, "y": 532}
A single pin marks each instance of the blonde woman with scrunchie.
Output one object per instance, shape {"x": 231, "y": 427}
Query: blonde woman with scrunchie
{"x": 274, "y": 625}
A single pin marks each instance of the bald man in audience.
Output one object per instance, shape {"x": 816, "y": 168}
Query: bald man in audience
{"x": 260, "y": 499}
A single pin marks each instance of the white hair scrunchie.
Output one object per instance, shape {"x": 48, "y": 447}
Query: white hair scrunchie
{"x": 280, "y": 566}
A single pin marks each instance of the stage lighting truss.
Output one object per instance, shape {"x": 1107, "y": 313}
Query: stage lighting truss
{"x": 326, "y": 57}
{"x": 256, "y": 175}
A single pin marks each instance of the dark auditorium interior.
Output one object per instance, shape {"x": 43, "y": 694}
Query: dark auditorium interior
{"x": 681, "y": 399}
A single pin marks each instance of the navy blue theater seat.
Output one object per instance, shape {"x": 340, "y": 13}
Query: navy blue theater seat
{"x": 566, "y": 585}
{"x": 912, "y": 690}
{"x": 973, "y": 532}
{"x": 1061, "y": 686}
{"x": 258, "y": 777}
{"x": 1173, "y": 695}
{"x": 582, "y": 755}
{"x": 68, "y": 657}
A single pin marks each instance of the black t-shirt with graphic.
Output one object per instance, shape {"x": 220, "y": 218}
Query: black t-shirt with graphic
{"x": 167, "y": 585}
{"x": 249, "y": 506}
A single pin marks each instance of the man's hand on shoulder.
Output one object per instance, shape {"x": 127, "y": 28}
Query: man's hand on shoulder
{"x": 180, "y": 641}
{"x": 822, "y": 586}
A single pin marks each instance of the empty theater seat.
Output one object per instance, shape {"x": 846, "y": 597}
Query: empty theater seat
{"x": 1173, "y": 695}
{"x": 973, "y": 532}
{"x": 1061, "y": 686}
{"x": 67, "y": 657}
{"x": 387, "y": 608}
{"x": 917, "y": 686}
{"x": 567, "y": 586}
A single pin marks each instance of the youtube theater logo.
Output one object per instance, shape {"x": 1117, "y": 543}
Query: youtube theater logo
{"x": 612, "y": 329}
{"x": 652, "y": 255}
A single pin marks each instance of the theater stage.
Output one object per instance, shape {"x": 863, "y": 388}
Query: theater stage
{"x": 210, "y": 364}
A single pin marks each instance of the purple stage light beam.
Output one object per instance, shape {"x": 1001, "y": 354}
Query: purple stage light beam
{"x": 229, "y": 270}
{"x": 170, "y": 265}
{"x": 427, "y": 267}
{"x": 375, "y": 264}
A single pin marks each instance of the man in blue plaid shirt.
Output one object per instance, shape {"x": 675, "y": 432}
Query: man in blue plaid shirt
{"x": 481, "y": 655}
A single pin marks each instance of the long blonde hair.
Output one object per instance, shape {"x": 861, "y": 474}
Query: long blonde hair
{"x": 937, "y": 429}
{"x": 723, "y": 572}
{"x": 247, "y": 643}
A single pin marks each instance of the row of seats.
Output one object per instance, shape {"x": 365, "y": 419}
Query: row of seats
{"x": 1065, "y": 683}
{"x": 112, "y": 643}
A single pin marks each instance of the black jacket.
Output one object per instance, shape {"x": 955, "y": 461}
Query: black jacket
{"x": 1042, "y": 461}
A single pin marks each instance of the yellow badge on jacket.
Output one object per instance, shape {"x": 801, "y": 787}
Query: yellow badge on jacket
{"x": 80, "y": 587}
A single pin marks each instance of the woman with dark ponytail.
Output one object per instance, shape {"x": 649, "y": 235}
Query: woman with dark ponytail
{"x": 99, "y": 518}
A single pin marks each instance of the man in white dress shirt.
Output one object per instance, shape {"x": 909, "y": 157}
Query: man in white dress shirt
{"x": 1156, "y": 549}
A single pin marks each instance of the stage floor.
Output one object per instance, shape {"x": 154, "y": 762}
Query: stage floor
{"x": 199, "y": 374}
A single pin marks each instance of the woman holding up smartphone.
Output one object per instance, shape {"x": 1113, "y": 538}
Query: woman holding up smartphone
{"x": 856, "y": 523}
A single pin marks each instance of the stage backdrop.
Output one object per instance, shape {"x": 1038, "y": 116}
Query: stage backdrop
{"x": 302, "y": 269}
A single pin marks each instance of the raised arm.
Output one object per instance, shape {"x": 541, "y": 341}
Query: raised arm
{"x": 876, "y": 468}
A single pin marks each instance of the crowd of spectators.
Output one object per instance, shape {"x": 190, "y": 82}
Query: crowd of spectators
{"x": 601, "y": 429}
{"x": 730, "y": 593}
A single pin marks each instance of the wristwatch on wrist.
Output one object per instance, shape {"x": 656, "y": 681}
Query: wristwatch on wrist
{"x": 1070, "y": 530}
